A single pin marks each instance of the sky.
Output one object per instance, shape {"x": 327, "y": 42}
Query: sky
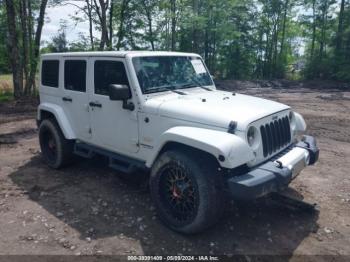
{"x": 54, "y": 16}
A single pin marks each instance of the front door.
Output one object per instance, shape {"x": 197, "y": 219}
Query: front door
{"x": 113, "y": 127}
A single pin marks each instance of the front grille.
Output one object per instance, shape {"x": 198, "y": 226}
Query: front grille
{"x": 275, "y": 135}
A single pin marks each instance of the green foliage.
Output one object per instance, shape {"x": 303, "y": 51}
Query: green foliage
{"x": 328, "y": 40}
{"x": 59, "y": 42}
{"x": 4, "y": 58}
{"x": 239, "y": 39}
{"x": 6, "y": 96}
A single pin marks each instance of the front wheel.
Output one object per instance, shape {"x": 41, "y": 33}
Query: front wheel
{"x": 186, "y": 191}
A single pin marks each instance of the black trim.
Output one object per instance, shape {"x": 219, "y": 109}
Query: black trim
{"x": 270, "y": 176}
{"x": 67, "y": 99}
{"x": 116, "y": 161}
{"x": 95, "y": 104}
{"x": 275, "y": 135}
{"x": 265, "y": 179}
{"x": 232, "y": 127}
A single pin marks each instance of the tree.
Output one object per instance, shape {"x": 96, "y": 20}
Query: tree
{"x": 5, "y": 66}
{"x": 101, "y": 7}
{"x": 59, "y": 41}
{"x": 13, "y": 47}
{"x": 149, "y": 8}
{"x": 240, "y": 39}
{"x": 122, "y": 18}
{"x": 25, "y": 61}
{"x": 30, "y": 82}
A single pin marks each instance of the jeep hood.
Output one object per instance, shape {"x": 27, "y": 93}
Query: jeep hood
{"x": 216, "y": 108}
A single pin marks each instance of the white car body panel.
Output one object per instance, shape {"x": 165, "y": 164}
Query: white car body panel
{"x": 217, "y": 108}
{"x": 119, "y": 133}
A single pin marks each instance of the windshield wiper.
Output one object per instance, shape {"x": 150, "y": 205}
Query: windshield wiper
{"x": 167, "y": 88}
{"x": 195, "y": 84}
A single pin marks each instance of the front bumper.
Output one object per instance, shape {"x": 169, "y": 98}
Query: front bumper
{"x": 276, "y": 174}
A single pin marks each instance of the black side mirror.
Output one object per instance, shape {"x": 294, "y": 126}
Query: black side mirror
{"x": 121, "y": 93}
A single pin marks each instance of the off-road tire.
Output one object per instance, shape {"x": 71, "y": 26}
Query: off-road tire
{"x": 61, "y": 153}
{"x": 202, "y": 171}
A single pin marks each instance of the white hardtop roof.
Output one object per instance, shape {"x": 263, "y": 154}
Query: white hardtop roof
{"x": 117, "y": 54}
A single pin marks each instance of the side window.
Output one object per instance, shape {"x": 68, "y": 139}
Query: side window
{"x": 107, "y": 73}
{"x": 49, "y": 73}
{"x": 75, "y": 75}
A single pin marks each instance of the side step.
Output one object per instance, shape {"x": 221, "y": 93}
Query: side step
{"x": 122, "y": 166}
{"x": 83, "y": 150}
{"x": 116, "y": 161}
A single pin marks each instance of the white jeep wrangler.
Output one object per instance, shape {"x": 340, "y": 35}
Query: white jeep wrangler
{"x": 160, "y": 111}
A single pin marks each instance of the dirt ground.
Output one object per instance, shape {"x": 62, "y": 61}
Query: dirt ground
{"x": 88, "y": 209}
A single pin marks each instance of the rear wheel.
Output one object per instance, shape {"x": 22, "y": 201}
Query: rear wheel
{"x": 186, "y": 191}
{"x": 57, "y": 151}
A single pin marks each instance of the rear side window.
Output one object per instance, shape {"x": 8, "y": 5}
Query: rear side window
{"x": 49, "y": 73}
{"x": 107, "y": 73}
{"x": 75, "y": 75}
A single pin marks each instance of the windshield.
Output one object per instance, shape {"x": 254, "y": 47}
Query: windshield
{"x": 162, "y": 73}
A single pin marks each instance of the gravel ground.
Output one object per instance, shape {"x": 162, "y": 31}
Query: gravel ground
{"x": 89, "y": 209}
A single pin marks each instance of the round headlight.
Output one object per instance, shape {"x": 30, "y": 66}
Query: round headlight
{"x": 292, "y": 120}
{"x": 252, "y": 136}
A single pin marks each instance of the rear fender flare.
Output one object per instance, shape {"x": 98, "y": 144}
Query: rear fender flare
{"x": 60, "y": 116}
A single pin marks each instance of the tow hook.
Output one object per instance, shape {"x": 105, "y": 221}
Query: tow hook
{"x": 279, "y": 164}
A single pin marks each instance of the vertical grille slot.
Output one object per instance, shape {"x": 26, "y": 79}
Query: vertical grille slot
{"x": 275, "y": 135}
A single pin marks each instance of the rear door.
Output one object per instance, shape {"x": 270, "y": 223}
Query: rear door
{"x": 113, "y": 127}
{"x": 76, "y": 98}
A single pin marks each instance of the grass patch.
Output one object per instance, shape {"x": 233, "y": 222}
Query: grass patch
{"x": 6, "y": 88}
{"x": 7, "y": 77}
{"x": 6, "y": 96}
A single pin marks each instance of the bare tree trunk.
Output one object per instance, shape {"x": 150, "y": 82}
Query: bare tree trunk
{"x": 89, "y": 13}
{"x": 104, "y": 33}
{"x": 313, "y": 29}
{"x": 101, "y": 10}
{"x": 339, "y": 38}
{"x": 14, "y": 49}
{"x": 110, "y": 45}
{"x": 323, "y": 31}
{"x": 151, "y": 39}
{"x": 121, "y": 23}
{"x": 195, "y": 31}
{"x": 36, "y": 51}
{"x": 173, "y": 24}
{"x": 167, "y": 31}
{"x": 25, "y": 43}
{"x": 149, "y": 23}
{"x": 286, "y": 5}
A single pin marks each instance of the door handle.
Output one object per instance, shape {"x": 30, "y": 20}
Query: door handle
{"x": 95, "y": 104}
{"x": 67, "y": 99}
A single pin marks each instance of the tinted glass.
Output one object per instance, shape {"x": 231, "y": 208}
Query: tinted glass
{"x": 161, "y": 73}
{"x": 49, "y": 73}
{"x": 107, "y": 73}
{"x": 75, "y": 75}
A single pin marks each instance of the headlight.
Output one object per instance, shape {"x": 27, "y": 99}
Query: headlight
{"x": 252, "y": 136}
{"x": 292, "y": 120}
